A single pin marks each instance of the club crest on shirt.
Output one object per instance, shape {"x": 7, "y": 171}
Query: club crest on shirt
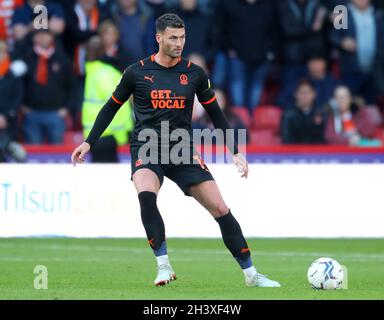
{"x": 183, "y": 79}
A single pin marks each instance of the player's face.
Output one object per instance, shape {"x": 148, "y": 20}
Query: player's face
{"x": 171, "y": 41}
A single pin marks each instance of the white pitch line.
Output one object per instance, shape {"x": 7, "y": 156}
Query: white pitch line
{"x": 135, "y": 250}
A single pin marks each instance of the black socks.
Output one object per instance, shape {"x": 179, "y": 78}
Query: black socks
{"x": 153, "y": 222}
{"x": 234, "y": 240}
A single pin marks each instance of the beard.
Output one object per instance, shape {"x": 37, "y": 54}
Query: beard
{"x": 172, "y": 53}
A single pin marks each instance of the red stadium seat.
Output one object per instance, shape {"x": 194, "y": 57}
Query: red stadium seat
{"x": 267, "y": 117}
{"x": 264, "y": 137}
{"x": 243, "y": 114}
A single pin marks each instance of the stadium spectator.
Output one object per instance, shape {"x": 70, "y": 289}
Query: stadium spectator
{"x": 96, "y": 92}
{"x": 47, "y": 85}
{"x": 302, "y": 34}
{"x": 247, "y": 27}
{"x": 7, "y": 9}
{"x": 157, "y": 7}
{"x": 303, "y": 123}
{"x": 358, "y": 46}
{"x": 11, "y": 97}
{"x": 83, "y": 20}
{"x": 136, "y": 27}
{"x": 321, "y": 79}
{"x": 197, "y": 25}
{"x": 23, "y": 18}
{"x": 331, "y": 4}
{"x": 113, "y": 52}
{"x": 344, "y": 125}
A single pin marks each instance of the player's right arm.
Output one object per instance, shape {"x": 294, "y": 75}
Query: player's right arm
{"x": 106, "y": 114}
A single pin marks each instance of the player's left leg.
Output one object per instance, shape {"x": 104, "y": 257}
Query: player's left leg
{"x": 208, "y": 195}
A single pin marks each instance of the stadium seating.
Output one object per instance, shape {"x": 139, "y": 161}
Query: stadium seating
{"x": 267, "y": 117}
{"x": 264, "y": 137}
{"x": 243, "y": 114}
{"x": 265, "y": 126}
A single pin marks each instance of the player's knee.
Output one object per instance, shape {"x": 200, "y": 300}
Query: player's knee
{"x": 219, "y": 210}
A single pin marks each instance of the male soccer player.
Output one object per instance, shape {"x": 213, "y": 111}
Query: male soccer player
{"x": 163, "y": 87}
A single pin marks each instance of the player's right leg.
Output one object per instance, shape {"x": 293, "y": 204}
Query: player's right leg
{"x": 147, "y": 184}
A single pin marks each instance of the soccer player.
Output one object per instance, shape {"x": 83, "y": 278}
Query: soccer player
{"x": 163, "y": 88}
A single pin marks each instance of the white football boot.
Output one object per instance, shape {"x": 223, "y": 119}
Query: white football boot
{"x": 261, "y": 280}
{"x": 165, "y": 275}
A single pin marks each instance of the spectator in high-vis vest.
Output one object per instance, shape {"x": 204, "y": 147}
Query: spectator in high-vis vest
{"x": 96, "y": 92}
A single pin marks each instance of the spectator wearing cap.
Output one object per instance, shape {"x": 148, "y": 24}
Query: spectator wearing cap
{"x": 303, "y": 123}
{"x": 47, "y": 85}
{"x": 358, "y": 46}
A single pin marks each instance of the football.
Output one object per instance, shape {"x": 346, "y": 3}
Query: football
{"x": 325, "y": 273}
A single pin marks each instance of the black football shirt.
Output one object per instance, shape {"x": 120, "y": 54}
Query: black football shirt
{"x": 163, "y": 94}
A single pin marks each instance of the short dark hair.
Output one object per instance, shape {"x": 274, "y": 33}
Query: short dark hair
{"x": 169, "y": 20}
{"x": 305, "y": 82}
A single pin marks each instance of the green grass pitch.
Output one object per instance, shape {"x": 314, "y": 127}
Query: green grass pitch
{"x": 125, "y": 268}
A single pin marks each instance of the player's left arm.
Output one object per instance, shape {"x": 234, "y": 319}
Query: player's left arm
{"x": 207, "y": 98}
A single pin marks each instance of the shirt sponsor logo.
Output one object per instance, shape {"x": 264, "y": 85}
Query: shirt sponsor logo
{"x": 164, "y": 99}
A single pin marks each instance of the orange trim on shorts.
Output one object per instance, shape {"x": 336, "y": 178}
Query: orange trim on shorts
{"x": 117, "y": 101}
{"x": 209, "y": 101}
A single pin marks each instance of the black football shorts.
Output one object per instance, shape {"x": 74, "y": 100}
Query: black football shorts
{"x": 184, "y": 175}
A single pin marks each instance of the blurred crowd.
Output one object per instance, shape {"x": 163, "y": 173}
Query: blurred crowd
{"x": 280, "y": 68}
